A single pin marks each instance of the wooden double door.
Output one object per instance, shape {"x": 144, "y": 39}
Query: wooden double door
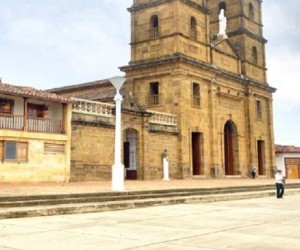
{"x": 292, "y": 168}
{"x": 230, "y": 148}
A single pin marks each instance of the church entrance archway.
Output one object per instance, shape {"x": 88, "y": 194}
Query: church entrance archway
{"x": 130, "y": 154}
{"x": 230, "y": 148}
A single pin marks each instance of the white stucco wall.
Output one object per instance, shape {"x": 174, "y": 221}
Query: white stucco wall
{"x": 280, "y": 160}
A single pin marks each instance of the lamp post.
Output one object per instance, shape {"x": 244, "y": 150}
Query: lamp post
{"x": 118, "y": 167}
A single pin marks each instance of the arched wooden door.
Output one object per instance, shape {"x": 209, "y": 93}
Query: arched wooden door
{"x": 230, "y": 148}
{"x": 130, "y": 154}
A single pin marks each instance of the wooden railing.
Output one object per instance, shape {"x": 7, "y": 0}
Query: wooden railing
{"x": 34, "y": 124}
{"x": 196, "y": 101}
{"x": 44, "y": 125}
{"x": 154, "y": 32}
{"x": 154, "y": 100}
{"x": 259, "y": 115}
{"x": 9, "y": 121}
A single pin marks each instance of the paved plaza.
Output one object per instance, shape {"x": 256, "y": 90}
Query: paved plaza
{"x": 264, "y": 223}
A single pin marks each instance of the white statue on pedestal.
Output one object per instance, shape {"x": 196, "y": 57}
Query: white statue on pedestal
{"x": 165, "y": 165}
{"x": 222, "y": 23}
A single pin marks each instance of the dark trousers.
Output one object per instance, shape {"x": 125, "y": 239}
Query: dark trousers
{"x": 279, "y": 190}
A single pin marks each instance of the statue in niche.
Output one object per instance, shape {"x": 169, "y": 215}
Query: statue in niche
{"x": 222, "y": 23}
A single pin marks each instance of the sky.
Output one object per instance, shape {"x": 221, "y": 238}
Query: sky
{"x": 52, "y": 43}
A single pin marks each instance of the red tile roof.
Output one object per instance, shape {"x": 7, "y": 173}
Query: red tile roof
{"x": 80, "y": 86}
{"x": 286, "y": 149}
{"x": 30, "y": 92}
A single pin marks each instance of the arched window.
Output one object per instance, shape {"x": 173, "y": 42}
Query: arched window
{"x": 251, "y": 12}
{"x": 254, "y": 55}
{"x": 154, "y": 26}
{"x": 193, "y": 28}
{"x": 222, "y": 5}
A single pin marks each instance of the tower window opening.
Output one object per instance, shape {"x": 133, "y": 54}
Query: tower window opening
{"x": 222, "y": 6}
{"x": 154, "y": 27}
{"x": 196, "y": 99}
{"x": 251, "y": 12}
{"x": 154, "y": 99}
{"x": 254, "y": 55}
{"x": 193, "y": 28}
{"x": 259, "y": 109}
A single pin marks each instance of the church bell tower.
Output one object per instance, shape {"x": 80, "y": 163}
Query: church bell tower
{"x": 164, "y": 34}
{"x": 203, "y": 61}
{"x": 245, "y": 33}
{"x": 163, "y": 28}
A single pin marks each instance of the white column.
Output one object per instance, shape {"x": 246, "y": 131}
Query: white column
{"x": 118, "y": 167}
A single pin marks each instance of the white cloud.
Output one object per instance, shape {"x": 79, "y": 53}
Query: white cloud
{"x": 281, "y": 28}
{"x": 278, "y": 20}
{"x": 77, "y": 45}
{"x": 284, "y": 65}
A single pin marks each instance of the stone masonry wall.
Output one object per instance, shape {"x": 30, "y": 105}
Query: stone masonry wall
{"x": 93, "y": 147}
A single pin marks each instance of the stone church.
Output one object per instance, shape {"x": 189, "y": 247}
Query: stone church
{"x": 196, "y": 90}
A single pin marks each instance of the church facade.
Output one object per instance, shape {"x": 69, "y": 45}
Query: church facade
{"x": 200, "y": 63}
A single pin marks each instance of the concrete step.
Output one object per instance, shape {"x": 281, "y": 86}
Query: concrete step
{"x": 45, "y": 205}
{"x": 41, "y": 200}
{"x": 7, "y": 201}
{"x": 47, "y": 210}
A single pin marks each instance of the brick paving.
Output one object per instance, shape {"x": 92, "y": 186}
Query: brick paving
{"x": 90, "y": 187}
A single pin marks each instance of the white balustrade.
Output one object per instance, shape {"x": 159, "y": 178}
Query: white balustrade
{"x": 162, "y": 118}
{"x": 106, "y": 109}
{"x": 92, "y": 107}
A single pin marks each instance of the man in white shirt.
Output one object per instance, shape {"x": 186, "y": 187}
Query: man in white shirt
{"x": 279, "y": 181}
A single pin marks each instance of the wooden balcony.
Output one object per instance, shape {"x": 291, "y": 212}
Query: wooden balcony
{"x": 154, "y": 32}
{"x": 33, "y": 124}
{"x": 154, "y": 100}
{"x": 196, "y": 101}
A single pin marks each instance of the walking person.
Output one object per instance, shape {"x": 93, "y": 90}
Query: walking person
{"x": 279, "y": 181}
{"x": 253, "y": 172}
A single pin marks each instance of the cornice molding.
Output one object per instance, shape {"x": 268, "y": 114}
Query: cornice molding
{"x": 243, "y": 31}
{"x": 137, "y": 7}
{"x": 178, "y": 57}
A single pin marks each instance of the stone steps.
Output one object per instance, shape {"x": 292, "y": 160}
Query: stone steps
{"x": 44, "y": 205}
{"x": 38, "y": 200}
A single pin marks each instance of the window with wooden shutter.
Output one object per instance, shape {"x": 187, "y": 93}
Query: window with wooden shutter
{"x": 10, "y": 151}
{"x": 6, "y": 106}
{"x": 35, "y": 110}
{"x": 1, "y": 150}
{"x": 22, "y": 151}
{"x": 54, "y": 148}
{"x": 14, "y": 151}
